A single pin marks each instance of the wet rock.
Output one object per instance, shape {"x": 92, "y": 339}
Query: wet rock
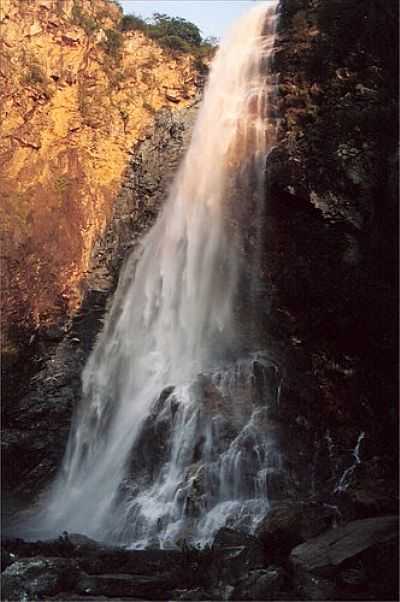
{"x": 288, "y": 524}
{"x": 130, "y": 562}
{"x": 156, "y": 587}
{"x": 227, "y": 538}
{"x": 82, "y": 542}
{"x": 333, "y": 547}
{"x": 238, "y": 561}
{"x": 312, "y": 587}
{"x": 266, "y": 383}
{"x": 327, "y": 250}
{"x": 361, "y": 556}
{"x": 372, "y": 490}
{"x": 6, "y": 559}
{"x": 192, "y": 594}
{"x": 262, "y": 584}
{"x": 33, "y": 578}
{"x": 354, "y": 579}
{"x": 279, "y": 532}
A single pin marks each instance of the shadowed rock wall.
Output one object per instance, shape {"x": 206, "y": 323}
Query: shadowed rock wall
{"x": 331, "y": 261}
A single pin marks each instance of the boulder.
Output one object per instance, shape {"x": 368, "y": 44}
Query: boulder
{"x": 6, "y": 559}
{"x": 33, "y": 578}
{"x": 288, "y": 524}
{"x": 190, "y": 594}
{"x": 361, "y": 556}
{"x": 229, "y": 538}
{"x": 328, "y": 551}
{"x": 155, "y": 587}
{"x": 262, "y": 584}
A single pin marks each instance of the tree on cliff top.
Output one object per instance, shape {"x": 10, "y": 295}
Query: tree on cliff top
{"x": 174, "y": 33}
{"x": 164, "y": 27}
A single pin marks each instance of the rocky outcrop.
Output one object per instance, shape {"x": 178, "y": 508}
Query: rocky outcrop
{"x": 355, "y": 559}
{"x": 334, "y": 547}
{"x": 330, "y": 307}
{"x": 36, "y": 577}
{"x": 74, "y": 107}
{"x": 358, "y": 561}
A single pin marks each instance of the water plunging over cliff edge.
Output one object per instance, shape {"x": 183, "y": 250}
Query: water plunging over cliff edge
{"x": 172, "y": 439}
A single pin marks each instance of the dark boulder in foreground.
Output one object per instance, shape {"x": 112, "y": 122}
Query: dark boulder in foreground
{"x": 291, "y": 523}
{"x": 356, "y": 561}
{"x": 33, "y": 578}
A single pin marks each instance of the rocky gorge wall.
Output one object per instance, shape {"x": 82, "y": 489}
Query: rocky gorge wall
{"x": 331, "y": 255}
{"x": 328, "y": 317}
{"x": 77, "y": 96}
{"x": 36, "y": 425}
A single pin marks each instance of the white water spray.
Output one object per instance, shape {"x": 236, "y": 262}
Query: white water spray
{"x": 173, "y": 319}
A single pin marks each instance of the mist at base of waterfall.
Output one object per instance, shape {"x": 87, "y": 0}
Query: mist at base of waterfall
{"x": 206, "y": 457}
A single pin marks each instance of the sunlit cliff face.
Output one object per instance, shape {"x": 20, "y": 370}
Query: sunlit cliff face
{"x": 71, "y": 114}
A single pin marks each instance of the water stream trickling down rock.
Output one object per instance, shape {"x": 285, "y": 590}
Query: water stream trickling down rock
{"x": 174, "y": 437}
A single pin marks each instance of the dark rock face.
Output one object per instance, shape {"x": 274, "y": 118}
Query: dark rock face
{"x": 32, "y": 578}
{"x": 347, "y": 561}
{"x": 330, "y": 550}
{"x": 330, "y": 263}
{"x": 226, "y": 538}
{"x": 288, "y": 524}
{"x": 262, "y": 584}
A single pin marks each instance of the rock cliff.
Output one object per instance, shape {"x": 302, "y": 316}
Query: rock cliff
{"x": 77, "y": 97}
{"x": 328, "y": 317}
{"x": 330, "y": 247}
{"x": 45, "y": 402}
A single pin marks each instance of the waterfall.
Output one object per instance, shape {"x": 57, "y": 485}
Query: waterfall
{"x": 173, "y": 437}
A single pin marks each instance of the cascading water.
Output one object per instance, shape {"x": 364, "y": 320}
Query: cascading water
{"x": 173, "y": 437}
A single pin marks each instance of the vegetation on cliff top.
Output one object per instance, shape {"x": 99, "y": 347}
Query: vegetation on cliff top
{"x": 171, "y": 33}
{"x": 78, "y": 94}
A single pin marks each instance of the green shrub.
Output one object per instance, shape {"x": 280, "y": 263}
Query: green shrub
{"x": 207, "y": 49}
{"x": 173, "y": 33}
{"x": 174, "y": 43}
{"x": 79, "y": 18}
{"x": 35, "y": 75}
{"x": 63, "y": 184}
{"x": 132, "y": 23}
{"x": 166, "y": 30}
{"x": 204, "y": 53}
{"x": 113, "y": 43}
